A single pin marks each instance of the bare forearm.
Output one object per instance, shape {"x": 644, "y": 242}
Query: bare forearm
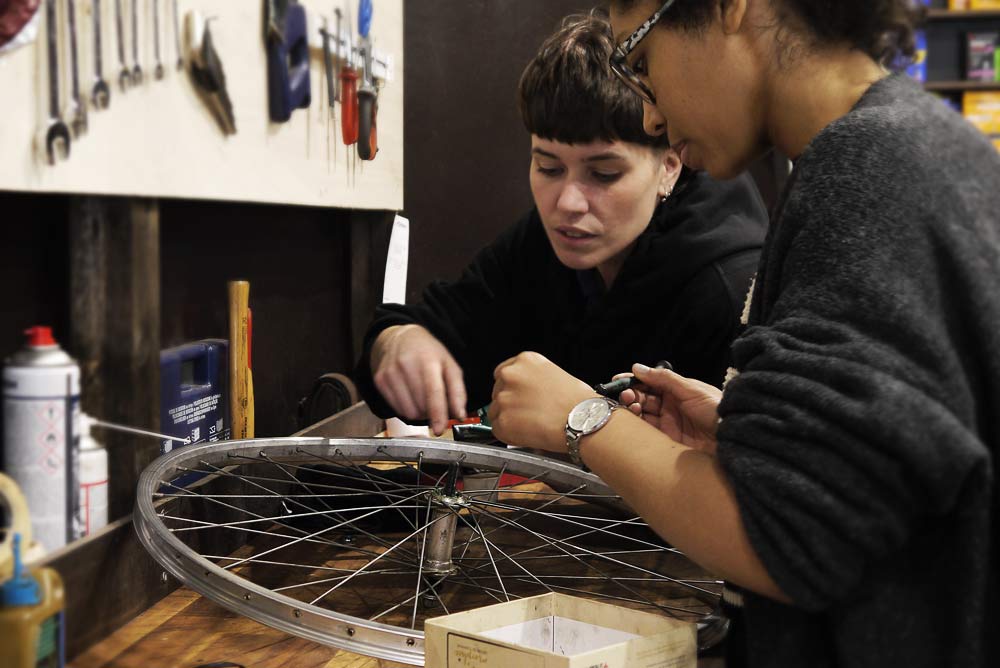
{"x": 682, "y": 494}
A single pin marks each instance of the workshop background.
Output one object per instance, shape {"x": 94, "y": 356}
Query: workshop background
{"x": 120, "y": 278}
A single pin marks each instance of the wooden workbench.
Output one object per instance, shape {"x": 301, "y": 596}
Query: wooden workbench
{"x": 185, "y": 630}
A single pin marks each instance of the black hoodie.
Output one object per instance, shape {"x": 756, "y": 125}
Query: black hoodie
{"x": 678, "y": 297}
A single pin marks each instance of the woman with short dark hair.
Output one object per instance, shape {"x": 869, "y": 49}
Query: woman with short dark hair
{"x": 623, "y": 257}
{"x": 844, "y": 478}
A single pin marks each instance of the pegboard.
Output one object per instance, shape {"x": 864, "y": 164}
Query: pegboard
{"x": 159, "y": 139}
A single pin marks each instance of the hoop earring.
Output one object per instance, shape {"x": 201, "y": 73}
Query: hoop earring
{"x": 664, "y": 197}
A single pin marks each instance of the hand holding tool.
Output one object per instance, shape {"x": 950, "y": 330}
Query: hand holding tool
{"x": 57, "y": 136}
{"x": 100, "y": 95}
{"x": 616, "y": 387}
{"x": 288, "y": 80}
{"x": 207, "y": 72}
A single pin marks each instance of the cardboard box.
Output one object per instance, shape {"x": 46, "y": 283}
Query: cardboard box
{"x": 982, "y": 109}
{"x": 558, "y": 631}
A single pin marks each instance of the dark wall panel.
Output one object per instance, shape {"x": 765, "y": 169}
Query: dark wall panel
{"x": 34, "y": 267}
{"x": 296, "y": 260}
{"x": 466, "y": 165}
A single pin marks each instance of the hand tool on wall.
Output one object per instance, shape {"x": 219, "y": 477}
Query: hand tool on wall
{"x": 328, "y": 67}
{"x": 177, "y": 38}
{"x": 367, "y": 92}
{"x": 348, "y": 94}
{"x": 207, "y": 72}
{"x": 77, "y": 111}
{"x": 158, "y": 71}
{"x": 288, "y": 82}
{"x": 125, "y": 76}
{"x": 136, "y": 70}
{"x": 240, "y": 379}
{"x": 100, "y": 94}
{"x": 57, "y": 137}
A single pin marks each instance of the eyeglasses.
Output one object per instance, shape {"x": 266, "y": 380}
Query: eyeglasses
{"x": 619, "y": 57}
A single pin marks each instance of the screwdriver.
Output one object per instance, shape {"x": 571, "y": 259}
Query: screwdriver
{"x": 349, "y": 96}
{"x": 616, "y": 387}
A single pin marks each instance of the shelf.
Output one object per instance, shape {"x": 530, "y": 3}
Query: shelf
{"x": 962, "y": 14}
{"x": 944, "y": 86}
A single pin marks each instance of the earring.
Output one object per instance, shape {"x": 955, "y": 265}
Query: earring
{"x": 666, "y": 195}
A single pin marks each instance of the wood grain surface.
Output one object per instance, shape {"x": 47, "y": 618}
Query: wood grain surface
{"x": 185, "y": 630}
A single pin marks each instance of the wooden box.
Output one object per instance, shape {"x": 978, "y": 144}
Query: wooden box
{"x": 558, "y": 631}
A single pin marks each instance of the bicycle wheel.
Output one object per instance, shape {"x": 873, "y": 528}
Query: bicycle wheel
{"x": 353, "y": 543}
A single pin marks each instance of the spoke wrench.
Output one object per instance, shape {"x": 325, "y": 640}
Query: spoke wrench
{"x": 125, "y": 77}
{"x": 57, "y": 136}
{"x": 100, "y": 95}
{"x": 158, "y": 71}
{"x": 77, "y": 111}
{"x": 136, "y": 70}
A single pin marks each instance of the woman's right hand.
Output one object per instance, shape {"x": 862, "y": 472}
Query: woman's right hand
{"x": 684, "y": 409}
{"x": 417, "y": 376}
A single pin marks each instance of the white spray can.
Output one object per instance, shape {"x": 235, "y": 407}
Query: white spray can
{"x": 93, "y": 478}
{"x": 41, "y": 410}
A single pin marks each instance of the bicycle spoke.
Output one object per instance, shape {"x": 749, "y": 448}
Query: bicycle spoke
{"x": 384, "y": 530}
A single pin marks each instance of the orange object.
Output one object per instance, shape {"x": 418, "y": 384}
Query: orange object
{"x": 241, "y": 404}
{"x": 349, "y": 106}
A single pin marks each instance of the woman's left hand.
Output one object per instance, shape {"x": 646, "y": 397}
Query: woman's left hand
{"x": 532, "y": 398}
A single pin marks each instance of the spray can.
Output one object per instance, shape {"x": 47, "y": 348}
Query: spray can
{"x": 31, "y": 617}
{"x": 41, "y": 409}
{"x": 93, "y": 479}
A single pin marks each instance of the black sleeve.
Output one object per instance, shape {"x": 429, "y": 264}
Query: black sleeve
{"x": 709, "y": 311}
{"x": 850, "y": 422}
{"x": 476, "y": 318}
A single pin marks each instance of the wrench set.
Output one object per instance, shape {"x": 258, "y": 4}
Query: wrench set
{"x": 353, "y": 73}
{"x": 68, "y": 123}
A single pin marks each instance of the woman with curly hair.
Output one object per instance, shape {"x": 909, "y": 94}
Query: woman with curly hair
{"x": 843, "y": 480}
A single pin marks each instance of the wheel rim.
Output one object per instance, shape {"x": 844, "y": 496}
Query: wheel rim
{"x": 304, "y": 521}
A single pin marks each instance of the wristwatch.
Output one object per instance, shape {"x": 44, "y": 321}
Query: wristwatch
{"x": 586, "y": 417}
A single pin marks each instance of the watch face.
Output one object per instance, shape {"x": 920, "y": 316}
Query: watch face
{"x": 589, "y": 414}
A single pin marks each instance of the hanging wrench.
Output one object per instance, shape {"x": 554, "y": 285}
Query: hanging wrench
{"x": 125, "y": 78}
{"x": 136, "y": 70}
{"x": 57, "y": 137}
{"x": 100, "y": 96}
{"x": 158, "y": 72}
{"x": 77, "y": 111}
{"x": 177, "y": 38}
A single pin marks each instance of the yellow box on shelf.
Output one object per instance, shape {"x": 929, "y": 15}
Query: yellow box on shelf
{"x": 983, "y": 4}
{"x": 982, "y": 109}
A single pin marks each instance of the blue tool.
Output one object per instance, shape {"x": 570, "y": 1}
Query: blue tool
{"x": 288, "y": 79}
{"x": 194, "y": 398}
{"x": 365, "y": 11}
{"x": 194, "y": 403}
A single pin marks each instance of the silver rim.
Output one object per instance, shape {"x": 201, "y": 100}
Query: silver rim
{"x": 236, "y": 535}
